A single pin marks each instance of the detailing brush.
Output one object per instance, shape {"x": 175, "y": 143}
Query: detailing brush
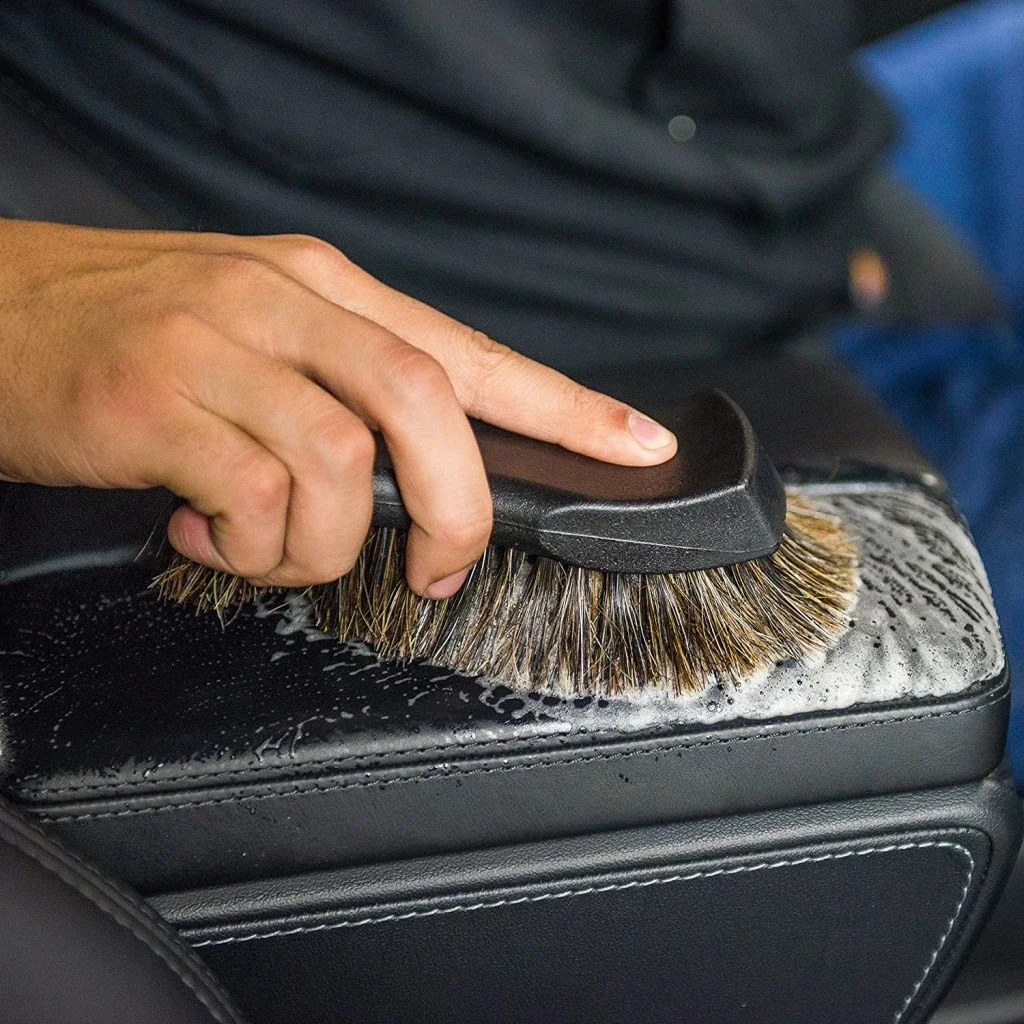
{"x": 600, "y": 579}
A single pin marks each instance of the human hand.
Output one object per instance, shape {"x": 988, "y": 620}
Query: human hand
{"x": 246, "y": 373}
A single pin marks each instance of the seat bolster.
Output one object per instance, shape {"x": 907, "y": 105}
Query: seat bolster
{"x": 79, "y": 948}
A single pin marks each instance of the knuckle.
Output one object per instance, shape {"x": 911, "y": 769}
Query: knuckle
{"x": 174, "y": 325}
{"x": 342, "y": 565}
{"x": 301, "y": 574}
{"x": 487, "y": 361}
{"x": 235, "y": 273}
{"x": 317, "y": 558}
{"x": 358, "y": 453}
{"x": 345, "y": 443}
{"x": 315, "y": 253}
{"x": 246, "y": 557}
{"x": 262, "y": 484}
{"x": 416, "y": 378}
{"x": 284, "y": 575}
{"x": 467, "y": 531}
{"x": 173, "y": 342}
{"x": 486, "y": 350}
{"x": 252, "y": 565}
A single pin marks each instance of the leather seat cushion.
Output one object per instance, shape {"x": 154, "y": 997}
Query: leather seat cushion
{"x": 184, "y": 751}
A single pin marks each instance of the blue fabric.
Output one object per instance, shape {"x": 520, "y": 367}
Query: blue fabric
{"x": 957, "y": 82}
{"x": 961, "y": 394}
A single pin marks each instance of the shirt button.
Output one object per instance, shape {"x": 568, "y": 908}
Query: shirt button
{"x": 682, "y": 128}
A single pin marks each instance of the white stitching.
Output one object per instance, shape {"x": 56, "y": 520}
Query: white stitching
{"x": 898, "y": 1016}
{"x": 304, "y": 786}
{"x": 641, "y": 884}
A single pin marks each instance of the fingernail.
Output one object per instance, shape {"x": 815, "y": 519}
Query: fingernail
{"x": 440, "y": 589}
{"x": 647, "y": 432}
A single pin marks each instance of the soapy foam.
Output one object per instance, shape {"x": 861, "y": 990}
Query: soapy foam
{"x": 923, "y": 626}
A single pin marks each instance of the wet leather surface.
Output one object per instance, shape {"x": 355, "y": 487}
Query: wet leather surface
{"x": 183, "y": 752}
{"x": 101, "y": 679}
{"x": 187, "y": 750}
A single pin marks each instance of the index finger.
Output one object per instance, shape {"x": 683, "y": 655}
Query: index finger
{"x": 491, "y": 381}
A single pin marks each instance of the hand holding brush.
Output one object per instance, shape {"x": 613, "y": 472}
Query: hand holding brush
{"x": 246, "y": 375}
{"x": 600, "y": 578}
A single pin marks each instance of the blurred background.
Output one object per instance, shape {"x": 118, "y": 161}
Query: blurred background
{"x": 956, "y": 83}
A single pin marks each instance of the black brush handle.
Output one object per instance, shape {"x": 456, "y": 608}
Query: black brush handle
{"x": 718, "y": 501}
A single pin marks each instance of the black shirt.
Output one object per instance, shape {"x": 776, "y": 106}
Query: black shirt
{"x": 580, "y": 178}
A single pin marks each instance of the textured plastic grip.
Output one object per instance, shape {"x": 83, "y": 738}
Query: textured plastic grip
{"x": 718, "y": 501}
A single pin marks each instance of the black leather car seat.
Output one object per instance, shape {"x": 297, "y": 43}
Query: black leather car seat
{"x": 77, "y": 948}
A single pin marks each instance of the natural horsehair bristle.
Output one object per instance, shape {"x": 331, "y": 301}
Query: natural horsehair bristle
{"x": 540, "y": 625}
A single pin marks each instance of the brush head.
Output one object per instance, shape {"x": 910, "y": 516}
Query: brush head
{"x": 601, "y": 579}
{"x": 717, "y": 501}
{"x": 539, "y": 624}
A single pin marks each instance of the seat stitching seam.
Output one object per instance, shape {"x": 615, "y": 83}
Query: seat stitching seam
{"x": 156, "y": 943}
{"x": 316, "y": 786}
{"x": 930, "y": 963}
{"x": 644, "y": 883}
{"x": 493, "y": 744}
{"x": 350, "y": 759}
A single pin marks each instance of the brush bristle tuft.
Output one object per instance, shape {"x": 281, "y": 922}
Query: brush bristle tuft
{"x": 540, "y": 625}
